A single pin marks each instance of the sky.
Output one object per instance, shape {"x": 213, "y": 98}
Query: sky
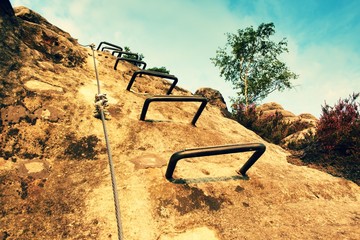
{"x": 182, "y": 35}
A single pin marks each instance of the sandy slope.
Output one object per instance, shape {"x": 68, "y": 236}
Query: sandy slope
{"x": 279, "y": 200}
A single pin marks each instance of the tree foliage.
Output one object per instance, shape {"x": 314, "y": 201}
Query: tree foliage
{"x": 127, "y": 49}
{"x": 250, "y": 62}
{"x": 159, "y": 69}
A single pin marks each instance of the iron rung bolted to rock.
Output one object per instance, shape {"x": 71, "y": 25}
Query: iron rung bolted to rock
{"x": 134, "y": 61}
{"x": 126, "y": 53}
{"x": 175, "y": 99}
{"x": 110, "y": 44}
{"x": 155, "y": 74}
{"x": 110, "y": 49}
{"x": 259, "y": 149}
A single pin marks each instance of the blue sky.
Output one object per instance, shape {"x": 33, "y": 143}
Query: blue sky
{"x": 182, "y": 35}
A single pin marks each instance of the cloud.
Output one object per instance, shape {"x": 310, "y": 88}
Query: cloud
{"x": 17, "y": 3}
{"x": 181, "y": 42}
{"x": 184, "y": 35}
{"x": 327, "y": 73}
{"x": 78, "y": 8}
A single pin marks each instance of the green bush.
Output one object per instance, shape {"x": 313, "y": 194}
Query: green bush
{"x": 159, "y": 69}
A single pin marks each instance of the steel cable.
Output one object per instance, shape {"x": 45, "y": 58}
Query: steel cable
{"x": 111, "y": 165}
{"x": 96, "y": 72}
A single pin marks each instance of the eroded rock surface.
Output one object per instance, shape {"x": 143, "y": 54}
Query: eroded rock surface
{"x": 306, "y": 119}
{"x": 215, "y": 98}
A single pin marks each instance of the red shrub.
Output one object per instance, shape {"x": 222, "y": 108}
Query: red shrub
{"x": 338, "y": 130}
{"x": 246, "y": 116}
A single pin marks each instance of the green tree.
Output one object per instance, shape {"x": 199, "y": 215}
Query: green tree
{"x": 250, "y": 62}
{"x": 127, "y": 49}
{"x": 159, "y": 69}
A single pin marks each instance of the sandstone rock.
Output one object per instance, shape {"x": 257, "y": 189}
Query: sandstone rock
{"x": 215, "y": 98}
{"x": 13, "y": 114}
{"x": 269, "y": 106}
{"x": 284, "y": 113}
{"x": 49, "y": 113}
{"x": 148, "y": 161}
{"x": 306, "y": 119}
{"x": 298, "y": 136}
{"x": 52, "y": 42}
{"x": 196, "y": 233}
{"x": 34, "y": 167}
{"x": 308, "y": 116}
{"x": 268, "y": 109}
{"x": 35, "y": 85}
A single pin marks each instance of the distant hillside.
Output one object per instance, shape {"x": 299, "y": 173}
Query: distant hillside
{"x": 54, "y": 173}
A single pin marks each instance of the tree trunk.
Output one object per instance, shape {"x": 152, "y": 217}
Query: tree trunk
{"x": 6, "y": 9}
{"x": 246, "y": 91}
{"x": 245, "y": 83}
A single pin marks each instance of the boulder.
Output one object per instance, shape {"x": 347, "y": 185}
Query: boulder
{"x": 305, "y": 119}
{"x": 297, "y": 137}
{"x": 215, "y": 98}
{"x": 269, "y": 106}
{"x": 268, "y": 109}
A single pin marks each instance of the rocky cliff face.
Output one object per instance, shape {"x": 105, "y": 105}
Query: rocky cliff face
{"x": 54, "y": 177}
{"x": 30, "y": 47}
